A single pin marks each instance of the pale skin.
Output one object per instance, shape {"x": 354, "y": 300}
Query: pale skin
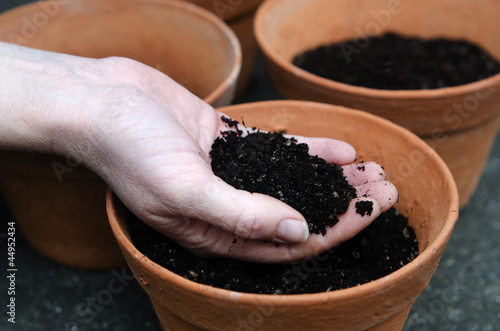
{"x": 149, "y": 139}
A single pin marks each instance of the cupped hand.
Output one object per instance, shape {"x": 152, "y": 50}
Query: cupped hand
{"x": 155, "y": 137}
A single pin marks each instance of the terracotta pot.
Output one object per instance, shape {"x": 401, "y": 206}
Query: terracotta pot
{"x": 60, "y": 209}
{"x": 428, "y": 196}
{"x": 239, "y": 15}
{"x": 459, "y": 122}
{"x": 64, "y": 217}
{"x": 176, "y": 37}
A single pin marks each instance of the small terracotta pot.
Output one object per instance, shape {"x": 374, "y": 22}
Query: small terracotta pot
{"x": 239, "y": 15}
{"x": 428, "y": 196}
{"x": 64, "y": 217}
{"x": 459, "y": 122}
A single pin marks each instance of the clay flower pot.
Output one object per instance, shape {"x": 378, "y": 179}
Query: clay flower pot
{"x": 59, "y": 205}
{"x": 428, "y": 196}
{"x": 239, "y": 15}
{"x": 459, "y": 122}
{"x": 191, "y": 45}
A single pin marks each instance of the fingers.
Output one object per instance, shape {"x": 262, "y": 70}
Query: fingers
{"x": 244, "y": 214}
{"x": 354, "y": 220}
{"x": 363, "y": 173}
{"x": 331, "y": 150}
{"x": 383, "y": 191}
{"x": 227, "y": 214}
{"x": 351, "y": 223}
{"x": 379, "y": 196}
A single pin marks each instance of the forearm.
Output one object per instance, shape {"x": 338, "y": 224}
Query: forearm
{"x": 37, "y": 110}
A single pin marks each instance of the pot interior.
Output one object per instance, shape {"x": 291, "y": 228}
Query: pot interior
{"x": 292, "y": 27}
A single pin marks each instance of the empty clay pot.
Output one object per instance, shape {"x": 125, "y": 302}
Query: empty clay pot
{"x": 239, "y": 15}
{"x": 459, "y": 122}
{"x": 59, "y": 205}
{"x": 428, "y": 196}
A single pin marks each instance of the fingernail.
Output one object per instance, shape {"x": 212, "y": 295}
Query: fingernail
{"x": 292, "y": 231}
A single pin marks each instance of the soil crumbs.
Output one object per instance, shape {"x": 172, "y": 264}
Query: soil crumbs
{"x": 395, "y": 62}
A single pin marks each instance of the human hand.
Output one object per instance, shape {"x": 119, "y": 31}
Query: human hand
{"x": 174, "y": 190}
{"x": 149, "y": 139}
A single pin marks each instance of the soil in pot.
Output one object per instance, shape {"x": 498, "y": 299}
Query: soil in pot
{"x": 383, "y": 247}
{"x": 271, "y": 163}
{"x": 396, "y": 62}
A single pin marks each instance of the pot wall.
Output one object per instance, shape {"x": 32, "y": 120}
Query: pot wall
{"x": 189, "y": 44}
{"x": 59, "y": 207}
{"x": 285, "y": 28}
{"x": 239, "y": 15}
{"x": 243, "y": 28}
{"x": 427, "y": 195}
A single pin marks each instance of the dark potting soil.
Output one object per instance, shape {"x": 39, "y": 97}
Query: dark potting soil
{"x": 276, "y": 165}
{"x": 272, "y": 164}
{"x": 394, "y": 62}
{"x": 364, "y": 208}
{"x": 383, "y": 247}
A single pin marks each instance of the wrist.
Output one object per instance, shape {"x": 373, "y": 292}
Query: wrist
{"x": 40, "y": 107}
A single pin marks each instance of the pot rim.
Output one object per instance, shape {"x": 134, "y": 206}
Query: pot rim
{"x": 234, "y": 43}
{"x": 182, "y": 6}
{"x": 445, "y": 92}
{"x": 313, "y": 298}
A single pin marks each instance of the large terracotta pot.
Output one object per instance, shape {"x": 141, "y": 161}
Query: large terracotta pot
{"x": 428, "y": 196}
{"x": 59, "y": 205}
{"x": 459, "y": 122}
{"x": 239, "y": 15}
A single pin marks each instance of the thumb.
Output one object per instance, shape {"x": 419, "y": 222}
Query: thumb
{"x": 247, "y": 215}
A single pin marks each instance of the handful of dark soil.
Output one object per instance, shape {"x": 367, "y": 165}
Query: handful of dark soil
{"x": 272, "y": 164}
{"x": 394, "y": 62}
